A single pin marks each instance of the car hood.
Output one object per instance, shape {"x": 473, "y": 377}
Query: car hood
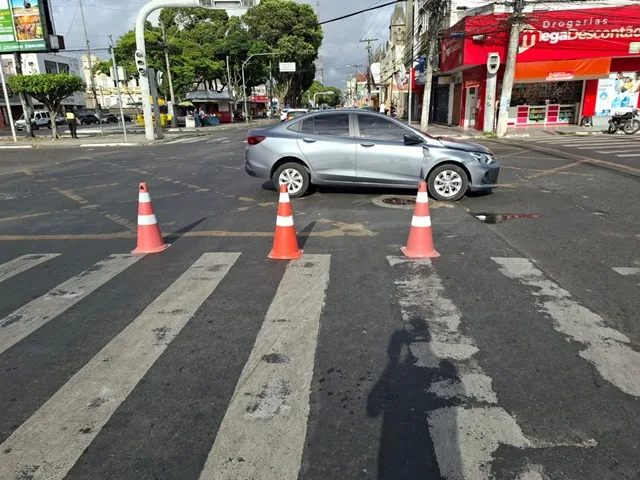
{"x": 462, "y": 145}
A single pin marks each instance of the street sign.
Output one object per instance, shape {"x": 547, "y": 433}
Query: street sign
{"x": 122, "y": 76}
{"x": 284, "y": 66}
{"x": 159, "y": 78}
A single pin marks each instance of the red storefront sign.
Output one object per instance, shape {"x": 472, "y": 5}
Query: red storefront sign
{"x": 547, "y": 35}
{"x": 259, "y": 98}
{"x": 471, "y": 83}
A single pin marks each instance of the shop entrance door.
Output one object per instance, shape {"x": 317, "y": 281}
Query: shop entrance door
{"x": 457, "y": 100}
{"x": 470, "y": 107}
{"x": 441, "y": 103}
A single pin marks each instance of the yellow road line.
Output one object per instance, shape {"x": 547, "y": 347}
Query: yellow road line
{"x": 91, "y": 187}
{"x": 343, "y": 230}
{"x": 23, "y": 217}
{"x": 72, "y": 196}
{"x": 553, "y": 170}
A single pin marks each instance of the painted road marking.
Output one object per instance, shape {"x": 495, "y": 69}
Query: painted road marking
{"x": 38, "y": 312}
{"x": 266, "y": 422}
{"x": 49, "y": 443}
{"x": 624, "y": 271}
{"x": 605, "y": 348}
{"x": 214, "y": 140}
{"x": 611, "y": 151}
{"x": 464, "y": 437}
{"x": 23, "y": 263}
{"x": 627, "y": 270}
{"x": 629, "y": 155}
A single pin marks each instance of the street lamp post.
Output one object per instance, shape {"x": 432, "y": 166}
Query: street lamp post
{"x": 319, "y": 93}
{"x": 141, "y": 53}
{"x": 244, "y": 87}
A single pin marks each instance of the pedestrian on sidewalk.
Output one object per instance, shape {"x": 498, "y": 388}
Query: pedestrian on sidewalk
{"x": 72, "y": 123}
{"x": 196, "y": 117}
{"x": 201, "y": 116}
{"x": 383, "y": 108}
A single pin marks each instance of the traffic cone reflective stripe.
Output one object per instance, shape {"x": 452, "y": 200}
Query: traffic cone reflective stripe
{"x": 420, "y": 242}
{"x": 285, "y": 242}
{"x": 149, "y": 237}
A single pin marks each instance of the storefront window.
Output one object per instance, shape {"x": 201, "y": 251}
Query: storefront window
{"x": 545, "y": 93}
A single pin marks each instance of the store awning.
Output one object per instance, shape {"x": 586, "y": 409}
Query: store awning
{"x": 563, "y": 70}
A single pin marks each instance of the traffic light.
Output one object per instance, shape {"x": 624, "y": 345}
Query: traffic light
{"x": 141, "y": 63}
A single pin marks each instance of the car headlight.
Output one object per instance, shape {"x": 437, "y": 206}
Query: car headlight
{"x": 483, "y": 158}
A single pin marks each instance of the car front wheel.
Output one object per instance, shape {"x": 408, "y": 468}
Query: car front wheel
{"x": 295, "y": 176}
{"x": 448, "y": 183}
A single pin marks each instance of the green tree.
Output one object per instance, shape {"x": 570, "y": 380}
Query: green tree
{"x": 49, "y": 89}
{"x": 334, "y": 99}
{"x": 291, "y": 29}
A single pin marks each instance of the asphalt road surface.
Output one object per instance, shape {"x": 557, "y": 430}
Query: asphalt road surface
{"x": 515, "y": 355}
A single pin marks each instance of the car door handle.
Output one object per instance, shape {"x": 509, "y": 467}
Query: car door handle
{"x": 367, "y": 145}
{"x": 308, "y": 140}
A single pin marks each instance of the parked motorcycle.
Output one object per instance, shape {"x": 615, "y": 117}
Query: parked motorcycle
{"x": 627, "y": 121}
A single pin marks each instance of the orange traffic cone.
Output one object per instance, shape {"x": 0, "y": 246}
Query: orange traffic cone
{"x": 285, "y": 242}
{"x": 420, "y": 243}
{"x": 149, "y": 236}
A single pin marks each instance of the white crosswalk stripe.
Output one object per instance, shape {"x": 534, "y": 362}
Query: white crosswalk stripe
{"x": 464, "y": 437}
{"x": 266, "y": 421}
{"x": 627, "y": 271}
{"x": 608, "y": 350}
{"x": 264, "y": 430}
{"x": 38, "y": 312}
{"x": 23, "y": 263}
{"x": 623, "y": 146}
{"x": 51, "y": 441}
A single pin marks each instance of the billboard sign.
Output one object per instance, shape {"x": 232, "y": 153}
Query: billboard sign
{"x": 22, "y": 26}
{"x": 619, "y": 91}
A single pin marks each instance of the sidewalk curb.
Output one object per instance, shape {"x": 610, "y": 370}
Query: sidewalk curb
{"x": 88, "y": 145}
{"x": 7, "y": 147}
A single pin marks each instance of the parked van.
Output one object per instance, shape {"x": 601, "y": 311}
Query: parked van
{"x": 40, "y": 118}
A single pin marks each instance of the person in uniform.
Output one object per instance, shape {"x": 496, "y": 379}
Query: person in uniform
{"x": 72, "y": 123}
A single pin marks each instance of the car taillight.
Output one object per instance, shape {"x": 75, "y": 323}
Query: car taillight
{"x": 255, "y": 139}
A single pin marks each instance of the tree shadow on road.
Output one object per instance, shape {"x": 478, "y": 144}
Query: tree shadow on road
{"x": 403, "y": 398}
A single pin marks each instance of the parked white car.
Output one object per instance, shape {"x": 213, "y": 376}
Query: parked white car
{"x": 40, "y": 118}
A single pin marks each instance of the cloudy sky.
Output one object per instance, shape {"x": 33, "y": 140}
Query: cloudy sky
{"x": 341, "y": 39}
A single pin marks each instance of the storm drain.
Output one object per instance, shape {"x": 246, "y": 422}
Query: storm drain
{"x": 501, "y": 217}
{"x": 395, "y": 201}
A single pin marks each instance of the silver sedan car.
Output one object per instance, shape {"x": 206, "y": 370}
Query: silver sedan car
{"x": 357, "y": 147}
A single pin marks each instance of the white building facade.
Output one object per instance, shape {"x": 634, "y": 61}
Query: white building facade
{"x": 33, "y": 64}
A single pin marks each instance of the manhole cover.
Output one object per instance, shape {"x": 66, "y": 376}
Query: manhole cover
{"x": 398, "y": 201}
{"x": 403, "y": 202}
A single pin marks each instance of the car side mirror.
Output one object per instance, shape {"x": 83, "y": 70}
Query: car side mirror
{"x": 412, "y": 140}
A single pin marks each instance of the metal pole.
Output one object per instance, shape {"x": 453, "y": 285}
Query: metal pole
{"x": 244, "y": 87}
{"x": 244, "y": 94}
{"x": 410, "y": 91}
{"x": 93, "y": 84}
{"x": 174, "y": 117}
{"x": 271, "y": 89}
{"x": 6, "y": 101}
{"x": 156, "y": 106}
{"x": 231, "y": 95}
{"x": 117, "y": 79}
{"x": 141, "y": 56}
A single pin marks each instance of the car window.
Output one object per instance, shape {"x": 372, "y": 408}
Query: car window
{"x": 376, "y": 127}
{"x": 334, "y": 125}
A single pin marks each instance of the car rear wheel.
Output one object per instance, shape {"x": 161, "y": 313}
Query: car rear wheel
{"x": 448, "y": 183}
{"x": 295, "y": 176}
